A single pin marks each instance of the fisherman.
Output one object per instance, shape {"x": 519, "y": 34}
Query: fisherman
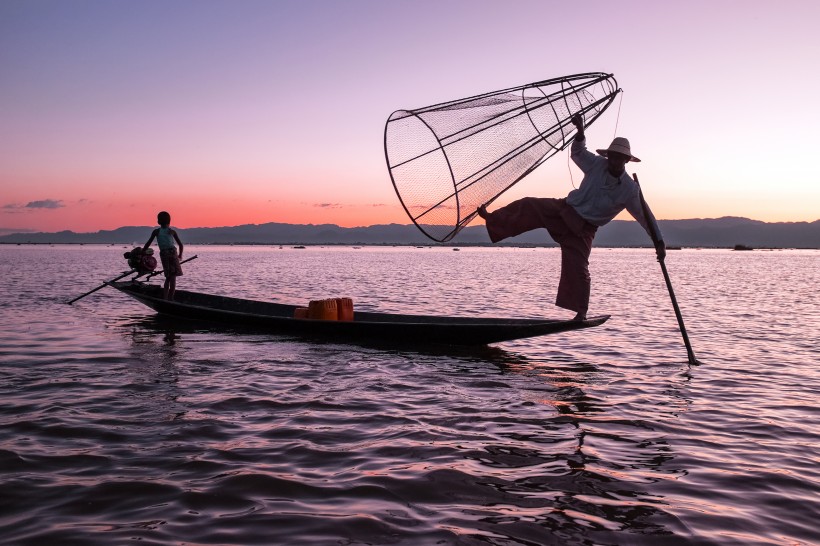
{"x": 171, "y": 267}
{"x": 604, "y": 192}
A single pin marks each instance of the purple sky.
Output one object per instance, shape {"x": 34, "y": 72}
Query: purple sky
{"x": 246, "y": 112}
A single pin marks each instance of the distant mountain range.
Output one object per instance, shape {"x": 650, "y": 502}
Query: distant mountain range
{"x": 720, "y": 233}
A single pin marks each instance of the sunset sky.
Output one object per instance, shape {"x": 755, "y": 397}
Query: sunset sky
{"x": 228, "y": 113}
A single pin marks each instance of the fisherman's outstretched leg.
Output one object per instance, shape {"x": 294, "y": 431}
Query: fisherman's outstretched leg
{"x": 521, "y": 216}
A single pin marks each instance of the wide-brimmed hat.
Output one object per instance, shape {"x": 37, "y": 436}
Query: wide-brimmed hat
{"x": 619, "y": 145}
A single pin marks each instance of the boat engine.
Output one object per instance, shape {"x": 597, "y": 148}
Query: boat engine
{"x": 141, "y": 259}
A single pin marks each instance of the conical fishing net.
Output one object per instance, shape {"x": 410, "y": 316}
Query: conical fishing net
{"x": 448, "y": 159}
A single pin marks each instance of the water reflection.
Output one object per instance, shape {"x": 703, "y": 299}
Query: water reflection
{"x": 574, "y": 468}
{"x": 582, "y": 473}
{"x": 153, "y": 370}
{"x": 586, "y": 438}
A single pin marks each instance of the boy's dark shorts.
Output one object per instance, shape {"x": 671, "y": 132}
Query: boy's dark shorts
{"x": 170, "y": 262}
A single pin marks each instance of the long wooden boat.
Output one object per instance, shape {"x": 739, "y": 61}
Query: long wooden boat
{"x": 382, "y": 327}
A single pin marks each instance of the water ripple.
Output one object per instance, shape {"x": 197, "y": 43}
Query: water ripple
{"x": 118, "y": 425}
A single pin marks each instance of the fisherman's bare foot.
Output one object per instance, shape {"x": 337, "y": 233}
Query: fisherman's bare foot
{"x": 580, "y": 316}
{"x": 482, "y": 211}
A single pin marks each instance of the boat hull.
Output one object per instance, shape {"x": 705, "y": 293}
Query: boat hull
{"x": 366, "y": 326}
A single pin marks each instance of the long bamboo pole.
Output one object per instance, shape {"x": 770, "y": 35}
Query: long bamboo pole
{"x": 690, "y": 353}
{"x": 103, "y": 285}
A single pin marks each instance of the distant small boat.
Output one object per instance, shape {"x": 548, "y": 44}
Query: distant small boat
{"x": 366, "y": 326}
{"x": 743, "y": 247}
{"x": 456, "y": 249}
{"x": 299, "y": 247}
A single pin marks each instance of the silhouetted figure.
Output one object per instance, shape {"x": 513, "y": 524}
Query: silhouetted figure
{"x": 171, "y": 267}
{"x": 604, "y": 192}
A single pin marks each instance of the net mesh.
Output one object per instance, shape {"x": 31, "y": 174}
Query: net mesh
{"x": 448, "y": 159}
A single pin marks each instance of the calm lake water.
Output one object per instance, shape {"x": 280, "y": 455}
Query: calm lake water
{"x": 118, "y": 426}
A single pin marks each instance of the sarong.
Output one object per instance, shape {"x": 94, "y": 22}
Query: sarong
{"x": 170, "y": 262}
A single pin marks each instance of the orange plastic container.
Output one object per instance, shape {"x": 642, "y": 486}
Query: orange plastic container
{"x": 323, "y": 310}
{"x": 345, "y": 308}
{"x": 300, "y": 312}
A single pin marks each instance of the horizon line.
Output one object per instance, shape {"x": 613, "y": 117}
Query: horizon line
{"x": 10, "y": 231}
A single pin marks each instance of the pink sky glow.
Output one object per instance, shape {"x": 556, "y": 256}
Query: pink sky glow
{"x": 229, "y": 113}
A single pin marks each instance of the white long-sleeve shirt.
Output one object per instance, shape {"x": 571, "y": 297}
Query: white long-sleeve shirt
{"x": 601, "y": 197}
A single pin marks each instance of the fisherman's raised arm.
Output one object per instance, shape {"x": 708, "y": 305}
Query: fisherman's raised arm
{"x": 578, "y": 121}
{"x": 578, "y": 152}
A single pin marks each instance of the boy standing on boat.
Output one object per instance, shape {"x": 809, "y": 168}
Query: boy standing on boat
{"x": 167, "y": 253}
{"x": 604, "y": 192}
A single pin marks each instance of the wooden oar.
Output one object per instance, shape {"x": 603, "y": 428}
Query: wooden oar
{"x": 106, "y": 283}
{"x": 655, "y": 240}
{"x": 103, "y": 285}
